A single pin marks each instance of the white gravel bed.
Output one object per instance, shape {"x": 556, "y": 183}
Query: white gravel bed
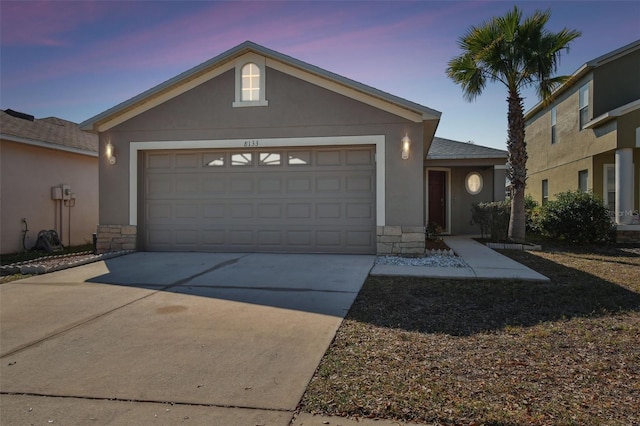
{"x": 434, "y": 260}
{"x": 48, "y": 264}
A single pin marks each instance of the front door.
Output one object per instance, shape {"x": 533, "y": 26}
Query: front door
{"x": 437, "y": 198}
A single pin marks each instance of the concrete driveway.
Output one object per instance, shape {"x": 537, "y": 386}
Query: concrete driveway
{"x": 171, "y": 338}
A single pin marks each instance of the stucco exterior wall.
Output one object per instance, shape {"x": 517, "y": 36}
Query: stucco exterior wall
{"x": 574, "y": 150}
{"x": 572, "y": 144}
{"x": 27, "y": 175}
{"x": 627, "y": 130}
{"x": 296, "y": 109}
{"x": 461, "y": 200}
{"x": 616, "y": 83}
{"x": 562, "y": 179}
{"x": 609, "y": 158}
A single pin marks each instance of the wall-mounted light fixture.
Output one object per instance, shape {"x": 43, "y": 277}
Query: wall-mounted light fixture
{"x": 406, "y": 144}
{"x": 109, "y": 151}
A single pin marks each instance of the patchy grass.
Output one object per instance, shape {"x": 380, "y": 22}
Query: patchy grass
{"x": 493, "y": 352}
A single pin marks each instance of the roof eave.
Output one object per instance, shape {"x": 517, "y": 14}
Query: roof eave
{"x": 584, "y": 70}
{"x": 49, "y": 145}
{"x": 613, "y": 114}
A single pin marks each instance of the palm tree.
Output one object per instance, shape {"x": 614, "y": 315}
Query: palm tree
{"x": 518, "y": 54}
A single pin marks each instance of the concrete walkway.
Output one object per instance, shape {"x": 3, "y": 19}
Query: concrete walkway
{"x": 483, "y": 263}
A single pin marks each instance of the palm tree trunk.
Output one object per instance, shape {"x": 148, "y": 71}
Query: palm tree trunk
{"x": 517, "y": 165}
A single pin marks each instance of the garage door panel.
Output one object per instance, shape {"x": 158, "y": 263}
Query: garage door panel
{"x": 156, "y": 212}
{"x": 159, "y": 185}
{"x": 241, "y": 211}
{"x": 359, "y": 238}
{"x": 359, "y": 211}
{"x": 213, "y": 211}
{"x": 298, "y": 185}
{"x": 158, "y": 161}
{"x": 269, "y": 238}
{"x": 359, "y": 157}
{"x": 276, "y": 200}
{"x": 359, "y": 184}
{"x": 187, "y": 211}
{"x": 328, "y": 184}
{"x": 214, "y": 185}
{"x": 328, "y": 210}
{"x": 187, "y": 185}
{"x": 188, "y": 161}
{"x": 270, "y": 185}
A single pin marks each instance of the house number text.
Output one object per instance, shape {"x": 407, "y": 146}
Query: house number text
{"x": 251, "y": 143}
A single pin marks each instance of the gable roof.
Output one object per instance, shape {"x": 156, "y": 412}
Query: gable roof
{"x": 447, "y": 149}
{"x": 207, "y": 70}
{"x": 50, "y": 132}
{"x": 584, "y": 70}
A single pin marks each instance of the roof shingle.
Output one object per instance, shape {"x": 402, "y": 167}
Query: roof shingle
{"x": 51, "y": 131}
{"x": 447, "y": 149}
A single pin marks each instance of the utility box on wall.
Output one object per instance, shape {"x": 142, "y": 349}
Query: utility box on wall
{"x": 56, "y": 193}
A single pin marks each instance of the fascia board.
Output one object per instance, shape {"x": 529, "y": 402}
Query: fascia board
{"x": 159, "y": 98}
{"x": 342, "y": 89}
{"x": 48, "y": 145}
{"x": 615, "y": 113}
{"x": 584, "y": 69}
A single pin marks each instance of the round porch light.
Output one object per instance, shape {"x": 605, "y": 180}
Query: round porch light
{"x": 473, "y": 183}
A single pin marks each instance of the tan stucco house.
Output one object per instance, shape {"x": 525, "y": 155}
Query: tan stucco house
{"x": 48, "y": 181}
{"x": 588, "y": 138}
{"x": 254, "y": 150}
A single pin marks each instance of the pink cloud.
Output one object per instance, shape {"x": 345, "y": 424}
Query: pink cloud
{"x": 43, "y": 23}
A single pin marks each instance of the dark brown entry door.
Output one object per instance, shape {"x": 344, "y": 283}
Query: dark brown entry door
{"x": 437, "y": 197}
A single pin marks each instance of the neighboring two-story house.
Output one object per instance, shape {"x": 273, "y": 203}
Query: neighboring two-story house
{"x": 588, "y": 138}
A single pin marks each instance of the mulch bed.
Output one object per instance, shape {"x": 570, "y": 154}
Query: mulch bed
{"x": 436, "y": 244}
{"x": 493, "y": 352}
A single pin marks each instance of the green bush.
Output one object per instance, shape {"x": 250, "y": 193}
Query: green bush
{"x": 531, "y": 209}
{"x": 574, "y": 216}
{"x": 493, "y": 218}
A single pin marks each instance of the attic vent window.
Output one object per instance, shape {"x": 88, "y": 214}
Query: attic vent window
{"x": 250, "y": 81}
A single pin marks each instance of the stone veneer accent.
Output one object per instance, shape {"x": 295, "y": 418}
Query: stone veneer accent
{"x": 401, "y": 240}
{"x": 115, "y": 238}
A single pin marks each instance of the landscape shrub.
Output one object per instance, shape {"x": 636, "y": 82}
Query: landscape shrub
{"x": 575, "y": 216}
{"x": 532, "y": 210}
{"x": 493, "y": 219}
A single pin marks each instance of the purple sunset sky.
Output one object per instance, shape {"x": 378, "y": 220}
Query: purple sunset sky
{"x": 74, "y": 60}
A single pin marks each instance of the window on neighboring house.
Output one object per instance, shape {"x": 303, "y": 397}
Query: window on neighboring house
{"x": 583, "y": 180}
{"x": 250, "y": 83}
{"x": 610, "y": 187}
{"x": 553, "y": 125}
{"x": 584, "y": 105}
{"x": 545, "y": 191}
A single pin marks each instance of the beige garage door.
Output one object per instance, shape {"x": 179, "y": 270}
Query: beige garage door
{"x": 306, "y": 200}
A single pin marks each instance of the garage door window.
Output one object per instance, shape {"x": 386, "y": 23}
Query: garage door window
{"x": 242, "y": 159}
{"x": 270, "y": 159}
{"x": 301, "y": 158}
{"x": 214, "y": 160}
